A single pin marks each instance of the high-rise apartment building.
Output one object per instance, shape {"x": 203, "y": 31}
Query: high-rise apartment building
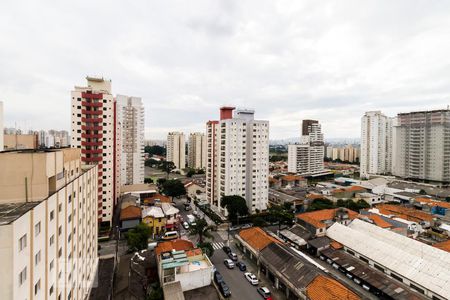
{"x": 48, "y": 225}
{"x": 94, "y": 131}
{"x": 197, "y": 150}
{"x": 237, "y": 159}
{"x": 422, "y": 145}
{"x": 1, "y": 126}
{"x": 130, "y": 118}
{"x": 176, "y": 149}
{"x": 307, "y": 157}
{"x": 376, "y": 144}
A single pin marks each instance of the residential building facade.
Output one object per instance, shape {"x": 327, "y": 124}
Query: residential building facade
{"x": 307, "y": 157}
{"x": 376, "y": 144}
{"x": 1, "y": 126}
{"x": 48, "y": 225}
{"x": 197, "y": 151}
{"x": 176, "y": 149}
{"x": 94, "y": 132}
{"x": 422, "y": 145}
{"x": 130, "y": 118}
{"x": 238, "y": 159}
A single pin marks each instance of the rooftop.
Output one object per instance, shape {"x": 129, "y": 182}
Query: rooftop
{"x": 9, "y": 212}
{"x": 432, "y": 202}
{"x": 177, "y": 245}
{"x": 257, "y": 238}
{"x": 316, "y": 218}
{"x": 445, "y": 246}
{"x": 130, "y": 212}
{"x": 153, "y": 212}
{"x": 141, "y": 188}
{"x": 157, "y": 198}
{"x": 325, "y": 288}
{"x": 400, "y": 254}
{"x": 407, "y": 213}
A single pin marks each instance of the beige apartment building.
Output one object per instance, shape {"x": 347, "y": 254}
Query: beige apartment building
{"x": 1, "y": 126}
{"x": 20, "y": 141}
{"x": 48, "y": 225}
{"x": 197, "y": 150}
{"x": 176, "y": 149}
{"x": 96, "y": 132}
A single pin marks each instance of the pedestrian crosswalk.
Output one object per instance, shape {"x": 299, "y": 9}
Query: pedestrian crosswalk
{"x": 218, "y": 245}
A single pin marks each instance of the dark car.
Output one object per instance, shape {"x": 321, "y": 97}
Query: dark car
{"x": 218, "y": 277}
{"x": 241, "y": 266}
{"x": 226, "y": 249}
{"x": 224, "y": 289}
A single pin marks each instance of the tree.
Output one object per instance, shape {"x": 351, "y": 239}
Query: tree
{"x": 235, "y": 205}
{"x": 281, "y": 215}
{"x": 202, "y": 229}
{"x": 155, "y": 150}
{"x": 259, "y": 222}
{"x": 167, "y": 166}
{"x": 190, "y": 172}
{"x": 207, "y": 248}
{"x": 148, "y": 180}
{"x": 319, "y": 204}
{"x": 173, "y": 188}
{"x": 160, "y": 182}
{"x": 422, "y": 192}
{"x": 137, "y": 238}
{"x": 200, "y": 171}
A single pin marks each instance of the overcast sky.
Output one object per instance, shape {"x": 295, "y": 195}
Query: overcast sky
{"x": 288, "y": 60}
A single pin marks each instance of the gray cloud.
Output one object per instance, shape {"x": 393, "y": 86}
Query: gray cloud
{"x": 288, "y": 60}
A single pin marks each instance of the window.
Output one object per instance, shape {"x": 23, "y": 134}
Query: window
{"x": 52, "y": 215}
{"x": 23, "y": 276}
{"x": 60, "y": 252}
{"x": 23, "y": 242}
{"x": 37, "y": 287}
{"x": 37, "y": 258}
{"x": 415, "y": 287}
{"x": 60, "y": 230}
{"x": 60, "y": 207}
{"x": 396, "y": 277}
{"x": 52, "y": 264}
{"x": 37, "y": 229}
{"x": 51, "y": 290}
{"x": 52, "y": 239}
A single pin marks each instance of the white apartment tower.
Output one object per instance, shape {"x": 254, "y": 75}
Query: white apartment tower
{"x": 197, "y": 151}
{"x": 1, "y": 126}
{"x": 94, "y": 131}
{"x": 130, "y": 118}
{"x": 48, "y": 225}
{"x": 237, "y": 159}
{"x": 307, "y": 157}
{"x": 422, "y": 145}
{"x": 376, "y": 144}
{"x": 176, "y": 149}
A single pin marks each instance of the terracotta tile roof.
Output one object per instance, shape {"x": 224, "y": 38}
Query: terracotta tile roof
{"x": 432, "y": 202}
{"x": 315, "y": 196}
{"x": 407, "y": 213}
{"x": 178, "y": 245}
{"x": 325, "y": 288}
{"x": 443, "y": 245}
{"x": 257, "y": 238}
{"x": 353, "y": 188}
{"x": 194, "y": 252}
{"x": 130, "y": 212}
{"x": 161, "y": 198}
{"x": 292, "y": 178}
{"x": 335, "y": 245}
{"x": 316, "y": 218}
{"x": 378, "y": 220}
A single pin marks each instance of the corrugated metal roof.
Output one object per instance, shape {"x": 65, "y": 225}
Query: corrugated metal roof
{"x": 421, "y": 263}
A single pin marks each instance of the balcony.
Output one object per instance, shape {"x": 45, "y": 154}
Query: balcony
{"x": 91, "y": 96}
{"x": 91, "y": 112}
{"x": 91, "y": 151}
{"x": 92, "y": 120}
{"x": 84, "y": 127}
{"x": 91, "y": 159}
{"x": 91, "y": 104}
{"x": 99, "y": 143}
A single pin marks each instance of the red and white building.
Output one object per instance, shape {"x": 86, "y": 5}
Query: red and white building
{"x": 94, "y": 130}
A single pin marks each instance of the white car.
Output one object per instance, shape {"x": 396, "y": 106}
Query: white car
{"x": 251, "y": 278}
{"x": 185, "y": 225}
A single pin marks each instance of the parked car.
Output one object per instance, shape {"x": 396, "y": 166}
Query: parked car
{"x": 232, "y": 228}
{"x": 251, "y": 278}
{"x": 233, "y": 256}
{"x": 187, "y": 207}
{"x": 170, "y": 235}
{"x": 218, "y": 277}
{"x": 226, "y": 249}
{"x": 185, "y": 225}
{"x": 229, "y": 263}
{"x": 246, "y": 226}
{"x": 241, "y": 266}
{"x": 224, "y": 289}
{"x": 264, "y": 292}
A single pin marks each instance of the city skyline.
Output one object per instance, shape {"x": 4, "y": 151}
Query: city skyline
{"x": 326, "y": 62}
